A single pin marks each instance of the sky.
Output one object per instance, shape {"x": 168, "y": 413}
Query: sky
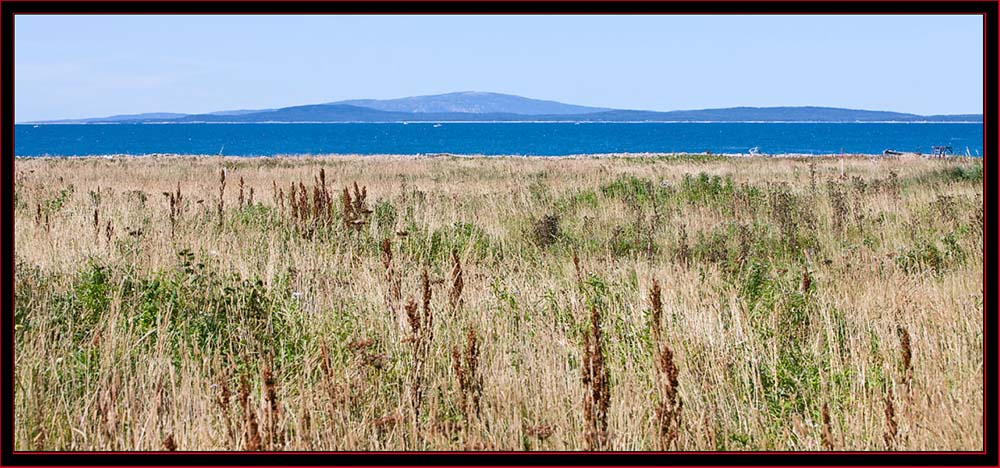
{"x": 98, "y": 65}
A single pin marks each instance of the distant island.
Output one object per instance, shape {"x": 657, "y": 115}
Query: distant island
{"x": 472, "y": 106}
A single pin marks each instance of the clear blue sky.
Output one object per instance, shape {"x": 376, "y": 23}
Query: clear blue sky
{"x": 85, "y": 66}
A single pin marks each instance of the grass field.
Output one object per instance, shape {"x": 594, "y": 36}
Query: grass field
{"x": 669, "y": 303}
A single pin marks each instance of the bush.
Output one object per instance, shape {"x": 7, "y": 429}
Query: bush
{"x": 705, "y": 189}
{"x": 56, "y": 203}
{"x": 926, "y": 255}
{"x": 626, "y": 241}
{"x": 546, "y": 230}
{"x": 966, "y": 174}
{"x": 972, "y": 174}
{"x": 258, "y": 215}
{"x": 78, "y": 312}
{"x": 385, "y": 215}
{"x": 629, "y": 187}
{"x": 460, "y": 236}
{"x": 583, "y": 198}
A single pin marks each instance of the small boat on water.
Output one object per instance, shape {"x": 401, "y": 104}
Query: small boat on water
{"x": 437, "y": 125}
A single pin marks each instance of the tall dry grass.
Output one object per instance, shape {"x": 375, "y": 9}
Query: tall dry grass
{"x": 672, "y": 303}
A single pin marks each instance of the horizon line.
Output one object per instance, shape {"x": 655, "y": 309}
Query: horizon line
{"x": 407, "y": 122}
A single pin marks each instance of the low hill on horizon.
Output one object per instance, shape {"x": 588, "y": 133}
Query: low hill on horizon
{"x": 479, "y": 106}
{"x": 473, "y": 102}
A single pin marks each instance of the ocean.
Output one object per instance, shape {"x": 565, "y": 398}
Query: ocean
{"x": 541, "y": 139}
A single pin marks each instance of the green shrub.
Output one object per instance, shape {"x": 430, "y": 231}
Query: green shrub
{"x": 539, "y": 190}
{"x": 258, "y": 215}
{"x": 792, "y": 385}
{"x": 628, "y": 186}
{"x": 77, "y": 313}
{"x": 462, "y": 236}
{"x": 56, "y": 203}
{"x": 706, "y": 190}
{"x": 926, "y": 255}
{"x": 966, "y": 174}
{"x": 31, "y": 290}
{"x": 384, "y": 215}
{"x": 973, "y": 174}
{"x": 578, "y": 199}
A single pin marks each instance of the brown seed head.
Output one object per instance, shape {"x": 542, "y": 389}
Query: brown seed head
{"x": 169, "y": 444}
{"x": 324, "y": 361}
{"x": 540, "y": 432}
{"x": 907, "y": 352}
{"x": 386, "y": 253}
{"x": 891, "y": 427}
{"x": 425, "y": 286}
{"x": 412, "y": 317}
{"x": 361, "y": 344}
{"x": 348, "y": 212}
{"x": 455, "y": 294}
{"x": 827, "y": 432}
{"x": 270, "y": 388}
{"x": 668, "y": 411}
{"x": 657, "y": 310}
{"x": 597, "y": 398}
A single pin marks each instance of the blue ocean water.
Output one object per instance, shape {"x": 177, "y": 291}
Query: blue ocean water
{"x": 543, "y": 139}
